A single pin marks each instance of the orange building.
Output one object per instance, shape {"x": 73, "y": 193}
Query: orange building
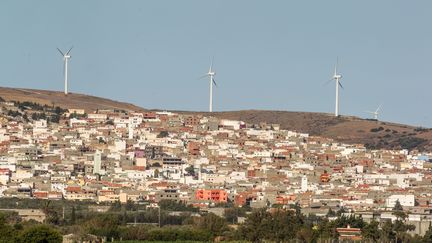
{"x": 325, "y": 177}
{"x": 244, "y": 198}
{"x": 215, "y": 195}
{"x": 193, "y": 148}
{"x": 285, "y": 199}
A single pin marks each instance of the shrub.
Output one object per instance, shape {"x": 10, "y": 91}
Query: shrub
{"x": 41, "y": 233}
{"x": 378, "y": 129}
{"x": 410, "y": 142}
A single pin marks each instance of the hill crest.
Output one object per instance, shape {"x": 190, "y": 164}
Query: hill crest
{"x": 347, "y": 129}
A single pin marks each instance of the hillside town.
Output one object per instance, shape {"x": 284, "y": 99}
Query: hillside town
{"x": 109, "y": 156}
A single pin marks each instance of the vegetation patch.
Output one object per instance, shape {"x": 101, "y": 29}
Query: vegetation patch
{"x": 411, "y": 142}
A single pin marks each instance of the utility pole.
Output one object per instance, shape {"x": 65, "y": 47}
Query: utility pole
{"x": 159, "y": 216}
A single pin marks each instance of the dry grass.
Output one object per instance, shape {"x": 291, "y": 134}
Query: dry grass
{"x": 343, "y": 129}
{"x": 72, "y": 100}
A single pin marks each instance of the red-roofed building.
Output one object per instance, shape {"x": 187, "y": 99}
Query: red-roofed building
{"x": 348, "y": 233}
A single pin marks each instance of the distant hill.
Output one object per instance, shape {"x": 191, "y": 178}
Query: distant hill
{"x": 72, "y": 100}
{"x": 348, "y": 129}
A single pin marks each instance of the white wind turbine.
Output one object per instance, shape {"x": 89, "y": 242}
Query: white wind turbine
{"x": 66, "y": 58}
{"x": 211, "y": 73}
{"x": 337, "y": 77}
{"x": 376, "y": 112}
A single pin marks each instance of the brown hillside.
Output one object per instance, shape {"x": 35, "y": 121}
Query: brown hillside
{"x": 375, "y": 134}
{"x": 348, "y": 129}
{"x": 72, "y": 100}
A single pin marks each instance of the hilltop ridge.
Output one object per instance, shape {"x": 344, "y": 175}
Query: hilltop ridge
{"x": 347, "y": 129}
{"x": 72, "y": 100}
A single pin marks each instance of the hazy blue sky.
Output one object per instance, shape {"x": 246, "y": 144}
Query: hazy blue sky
{"x": 268, "y": 54}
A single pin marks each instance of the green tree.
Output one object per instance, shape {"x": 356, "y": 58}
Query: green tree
{"x": 371, "y": 231}
{"x": 398, "y": 206}
{"x": 55, "y": 118}
{"x": 401, "y": 229}
{"x": 253, "y": 228}
{"x": 163, "y": 134}
{"x": 190, "y": 170}
{"x": 297, "y": 209}
{"x": 172, "y": 205}
{"x": 73, "y": 215}
{"x": 109, "y": 122}
{"x": 231, "y": 215}
{"x": 428, "y": 235}
{"x": 116, "y": 206}
{"x": 52, "y": 215}
{"x": 7, "y": 232}
{"x": 387, "y": 231}
{"x": 213, "y": 223}
{"x": 105, "y": 225}
{"x": 130, "y": 205}
{"x": 331, "y": 213}
{"x": 40, "y": 234}
{"x": 398, "y": 211}
{"x": 306, "y": 234}
{"x": 340, "y": 211}
{"x": 277, "y": 226}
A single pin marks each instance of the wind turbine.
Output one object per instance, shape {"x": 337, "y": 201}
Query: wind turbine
{"x": 375, "y": 113}
{"x": 66, "y": 58}
{"x": 337, "y": 77}
{"x": 211, "y": 73}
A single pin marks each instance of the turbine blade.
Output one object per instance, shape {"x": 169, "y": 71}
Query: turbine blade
{"x": 340, "y": 85}
{"x": 327, "y": 82}
{"x": 337, "y": 62}
{"x": 379, "y": 107}
{"x": 67, "y": 53}
{"x": 214, "y": 82}
{"x": 60, "y": 52}
{"x": 211, "y": 65}
{"x": 204, "y": 76}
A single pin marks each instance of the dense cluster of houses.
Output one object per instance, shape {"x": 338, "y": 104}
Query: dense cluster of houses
{"x": 110, "y": 156}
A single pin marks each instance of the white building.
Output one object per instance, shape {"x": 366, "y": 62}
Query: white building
{"x": 97, "y": 162}
{"x": 304, "y": 183}
{"x": 405, "y": 200}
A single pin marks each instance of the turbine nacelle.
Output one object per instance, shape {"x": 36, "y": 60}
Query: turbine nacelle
{"x": 376, "y": 112}
{"x": 337, "y": 76}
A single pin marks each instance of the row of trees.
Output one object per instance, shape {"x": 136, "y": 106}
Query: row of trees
{"x": 50, "y": 113}
{"x": 12, "y": 230}
{"x": 134, "y": 222}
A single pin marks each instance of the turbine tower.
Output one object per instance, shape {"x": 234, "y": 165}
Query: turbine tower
{"x": 375, "y": 113}
{"x": 211, "y": 73}
{"x": 337, "y": 77}
{"x": 66, "y": 58}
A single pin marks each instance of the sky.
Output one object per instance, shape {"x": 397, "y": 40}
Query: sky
{"x": 273, "y": 55}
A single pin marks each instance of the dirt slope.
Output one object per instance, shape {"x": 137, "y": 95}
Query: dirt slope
{"x": 375, "y": 134}
{"x": 72, "y": 100}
